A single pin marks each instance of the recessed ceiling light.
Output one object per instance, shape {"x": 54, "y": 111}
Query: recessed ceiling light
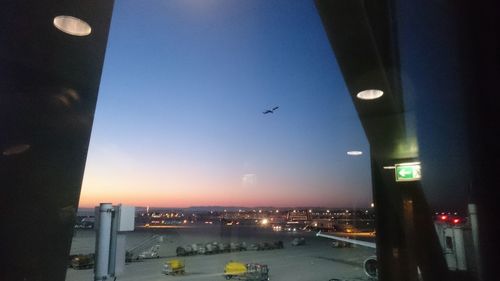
{"x": 71, "y": 25}
{"x": 354, "y": 153}
{"x": 369, "y": 94}
{"x": 16, "y": 149}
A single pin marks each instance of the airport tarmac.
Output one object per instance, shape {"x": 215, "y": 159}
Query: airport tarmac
{"x": 316, "y": 260}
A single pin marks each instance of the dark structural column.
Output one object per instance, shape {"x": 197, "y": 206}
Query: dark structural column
{"x": 49, "y": 82}
{"x": 364, "y": 38}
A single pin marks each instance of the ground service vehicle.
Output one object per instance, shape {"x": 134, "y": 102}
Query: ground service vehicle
{"x": 185, "y": 251}
{"x": 238, "y": 246}
{"x": 250, "y": 271}
{"x": 279, "y": 244}
{"x": 264, "y": 246}
{"x": 341, "y": 244}
{"x": 224, "y": 247}
{"x": 153, "y": 252}
{"x": 299, "y": 241}
{"x": 210, "y": 249}
{"x": 173, "y": 267}
{"x": 146, "y": 249}
{"x": 253, "y": 247}
{"x": 201, "y": 249}
{"x": 82, "y": 261}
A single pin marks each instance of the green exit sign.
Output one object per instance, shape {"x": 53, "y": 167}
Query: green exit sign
{"x": 408, "y": 172}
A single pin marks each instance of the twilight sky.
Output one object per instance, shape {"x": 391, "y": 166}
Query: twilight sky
{"x": 179, "y": 117}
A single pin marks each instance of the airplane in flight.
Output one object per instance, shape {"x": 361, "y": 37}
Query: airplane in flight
{"x": 270, "y": 110}
{"x": 370, "y": 264}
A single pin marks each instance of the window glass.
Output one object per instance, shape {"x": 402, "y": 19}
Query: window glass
{"x": 229, "y": 127}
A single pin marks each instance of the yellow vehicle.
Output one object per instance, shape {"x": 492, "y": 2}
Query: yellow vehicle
{"x": 249, "y": 271}
{"x": 173, "y": 267}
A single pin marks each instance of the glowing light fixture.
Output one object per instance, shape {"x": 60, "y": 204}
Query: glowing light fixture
{"x": 16, "y": 149}
{"x": 408, "y": 171}
{"x": 72, "y": 26}
{"x": 370, "y": 94}
{"x": 354, "y": 153}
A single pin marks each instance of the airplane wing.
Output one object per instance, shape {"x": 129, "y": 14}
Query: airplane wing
{"x": 357, "y": 242}
{"x": 267, "y": 111}
{"x": 276, "y": 107}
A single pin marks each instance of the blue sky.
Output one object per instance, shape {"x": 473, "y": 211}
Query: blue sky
{"x": 179, "y": 117}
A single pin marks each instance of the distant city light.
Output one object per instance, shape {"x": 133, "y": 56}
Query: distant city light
{"x": 265, "y": 221}
{"x": 277, "y": 211}
{"x": 72, "y": 26}
{"x": 372, "y": 205}
{"x": 370, "y": 94}
{"x": 354, "y": 153}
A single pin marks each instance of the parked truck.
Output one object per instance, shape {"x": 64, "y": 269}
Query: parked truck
{"x": 173, "y": 267}
{"x": 249, "y": 271}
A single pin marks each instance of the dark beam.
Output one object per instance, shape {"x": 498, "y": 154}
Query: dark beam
{"x": 48, "y": 85}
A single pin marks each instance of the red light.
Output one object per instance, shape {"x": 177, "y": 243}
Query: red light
{"x": 443, "y": 218}
{"x": 456, "y": 221}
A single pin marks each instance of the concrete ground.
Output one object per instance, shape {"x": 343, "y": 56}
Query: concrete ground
{"x": 316, "y": 260}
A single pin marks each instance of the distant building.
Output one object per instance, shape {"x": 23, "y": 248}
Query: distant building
{"x": 299, "y": 216}
{"x": 322, "y": 224}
